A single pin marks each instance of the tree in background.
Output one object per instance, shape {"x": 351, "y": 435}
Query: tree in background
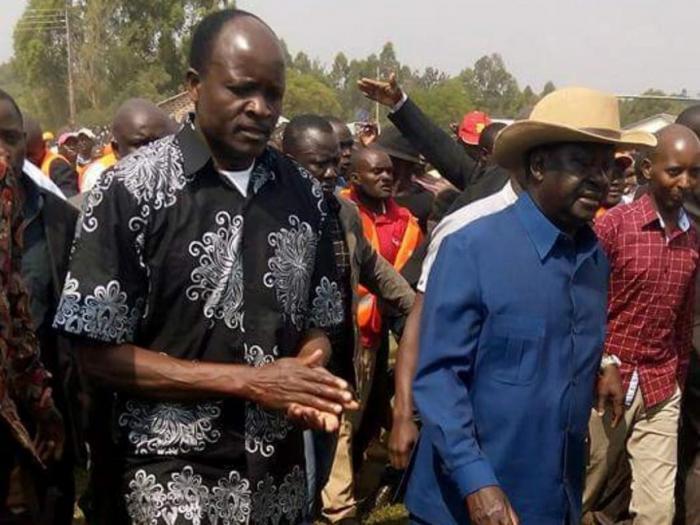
{"x": 307, "y": 94}
{"x": 127, "y": 48}
{"x": 121, "y": 49}
{"x": 632, "y": 111}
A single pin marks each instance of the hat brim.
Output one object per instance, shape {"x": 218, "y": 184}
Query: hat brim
{"x": 393, "y": 152}
{"x": 516, "y": 140}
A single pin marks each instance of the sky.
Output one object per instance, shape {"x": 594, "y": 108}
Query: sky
{"x": 623, "y": 46}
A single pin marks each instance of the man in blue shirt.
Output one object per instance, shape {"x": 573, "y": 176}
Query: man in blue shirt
{"x": 513, "y": 329}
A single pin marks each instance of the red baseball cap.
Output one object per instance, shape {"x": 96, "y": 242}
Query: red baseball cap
{"x": 472, "y": 125}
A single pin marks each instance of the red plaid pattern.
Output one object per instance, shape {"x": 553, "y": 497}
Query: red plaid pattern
{"x": 651, "y": 292}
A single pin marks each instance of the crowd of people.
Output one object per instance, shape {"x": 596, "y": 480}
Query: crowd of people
{"x": 220, "y": 320}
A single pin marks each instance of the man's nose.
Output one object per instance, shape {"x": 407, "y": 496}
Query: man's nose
{"x": 685, "y": 181}
{"x": 330, "y": 173}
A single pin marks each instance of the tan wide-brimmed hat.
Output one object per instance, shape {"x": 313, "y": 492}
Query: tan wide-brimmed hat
{"x": 572, "y": 114}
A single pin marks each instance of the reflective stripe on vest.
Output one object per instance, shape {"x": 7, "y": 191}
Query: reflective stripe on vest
{"x": 369, "y": 318}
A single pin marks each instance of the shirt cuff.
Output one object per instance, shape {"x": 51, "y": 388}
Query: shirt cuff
{"x": 473, "y": 477}
{"x": 400, "y": 103}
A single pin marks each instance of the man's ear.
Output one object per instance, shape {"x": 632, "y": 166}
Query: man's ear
{"x": 646, "y": 168}
{"x": 354, "y": 178}
{"x": 193, "y": 81}
{"x": 536, "y": 163}
{"x": 115, "y": 148}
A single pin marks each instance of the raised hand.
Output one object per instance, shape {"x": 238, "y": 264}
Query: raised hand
{"x": 388, "y": 93}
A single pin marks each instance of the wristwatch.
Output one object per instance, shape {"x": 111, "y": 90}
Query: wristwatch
{"x": 609, "y": 360}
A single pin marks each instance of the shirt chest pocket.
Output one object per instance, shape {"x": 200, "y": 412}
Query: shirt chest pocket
{"x": 511, "y": 351}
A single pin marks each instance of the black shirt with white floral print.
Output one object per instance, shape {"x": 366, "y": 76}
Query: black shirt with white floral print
{"x": 171, "y": 257}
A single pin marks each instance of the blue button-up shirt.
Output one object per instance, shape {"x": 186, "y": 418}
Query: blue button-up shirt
{"x": 511, "y": 339}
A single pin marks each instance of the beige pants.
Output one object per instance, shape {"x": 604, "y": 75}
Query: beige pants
{"x": 649, "y": 437}
{"x": 338, "y": 495}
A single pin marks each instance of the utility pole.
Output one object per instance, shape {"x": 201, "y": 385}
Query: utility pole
{"x": 69, "y": 56}
{"x": 49, "y": 19}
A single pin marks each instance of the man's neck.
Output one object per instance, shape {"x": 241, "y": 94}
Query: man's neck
{"x": 669, "y": 216}
{"x": 376, "y": 206}
{"x": 225, "y": 160}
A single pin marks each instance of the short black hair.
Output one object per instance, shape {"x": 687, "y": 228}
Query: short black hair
{"x": 4, "y": 95}
{"x": 487, "y": 139}
{"x": 690, "y": 118}
{"x": 206, "y": 33}
{"x": 299, "y": 126}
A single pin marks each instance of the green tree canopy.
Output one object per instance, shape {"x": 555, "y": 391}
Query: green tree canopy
{"x": 306, "y": 94}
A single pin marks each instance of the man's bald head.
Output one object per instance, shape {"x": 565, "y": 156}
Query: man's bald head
{"x": 363, "y": 156}
{"x": 673, "y": 167}
{"x": 136, "y": 123}
{"x": 674, "y": 138}
{"x": 211, "y": 27}
{"x": 690, "y": 118}
{"x": 36, "y": 147}
{"x": 372, "y": 173}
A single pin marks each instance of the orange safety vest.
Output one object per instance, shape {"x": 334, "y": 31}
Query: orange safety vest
{"x": 48, "y": 159}
{"x": 106, "y": 161}
{"x": 369, "y": 318}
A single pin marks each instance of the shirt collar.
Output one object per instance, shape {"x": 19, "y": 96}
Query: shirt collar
{"x": 196, "y": 155}
{"x": 541, "y": 231}
{"x": 651, "y": 215}
{"x": 545, "y": 235}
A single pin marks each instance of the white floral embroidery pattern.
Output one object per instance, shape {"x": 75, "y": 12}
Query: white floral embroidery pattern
{"x": 152, "y": 175}
{"x": 255, "y": 356}
{"x": 261, "y": 176}
{"x": 103, "y": 315}
{"x": 145, "y": 501}
{"x": 316, "y": 188}
{"x": 68, "y": 311}
{"x": 263, "y": 428}
{"x": 327, "y": 305}
{"x": 218, "y": 278}
{"x": 291, "y": 266}
{"x": 229, "y": 503}
{"x": 167, "y": 429}
{"x": 270, "y": 502}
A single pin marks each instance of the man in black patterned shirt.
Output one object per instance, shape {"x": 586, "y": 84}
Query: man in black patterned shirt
{"x": 311, "y": 141}
{"x": 198, "y": 272}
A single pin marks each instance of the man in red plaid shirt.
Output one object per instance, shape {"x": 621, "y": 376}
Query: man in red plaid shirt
{"x": 653, "y": 253}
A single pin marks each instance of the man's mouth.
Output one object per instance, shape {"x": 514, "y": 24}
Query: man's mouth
{"x": 255, "y": 133}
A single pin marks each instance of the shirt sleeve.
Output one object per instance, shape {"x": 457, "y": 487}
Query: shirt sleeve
{"x": 450, "y": 329}
{"x": 606, "y": 229}
{"x": 104, "y": 293}
{"x": 684, "y": 331}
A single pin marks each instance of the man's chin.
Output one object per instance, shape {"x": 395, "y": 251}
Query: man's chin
{"x": 246, "y": 148}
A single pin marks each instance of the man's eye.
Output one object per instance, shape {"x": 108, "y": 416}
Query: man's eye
{"x": 241, "y": 90}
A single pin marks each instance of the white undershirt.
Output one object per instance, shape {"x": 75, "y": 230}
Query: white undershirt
{"x": 239, "y": 179}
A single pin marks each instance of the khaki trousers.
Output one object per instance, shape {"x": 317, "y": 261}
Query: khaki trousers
{"x": 338, "y": 495}
{"x": 649, "y": 437}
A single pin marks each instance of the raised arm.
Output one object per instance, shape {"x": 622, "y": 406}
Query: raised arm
{"x": 435, "y": 144}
